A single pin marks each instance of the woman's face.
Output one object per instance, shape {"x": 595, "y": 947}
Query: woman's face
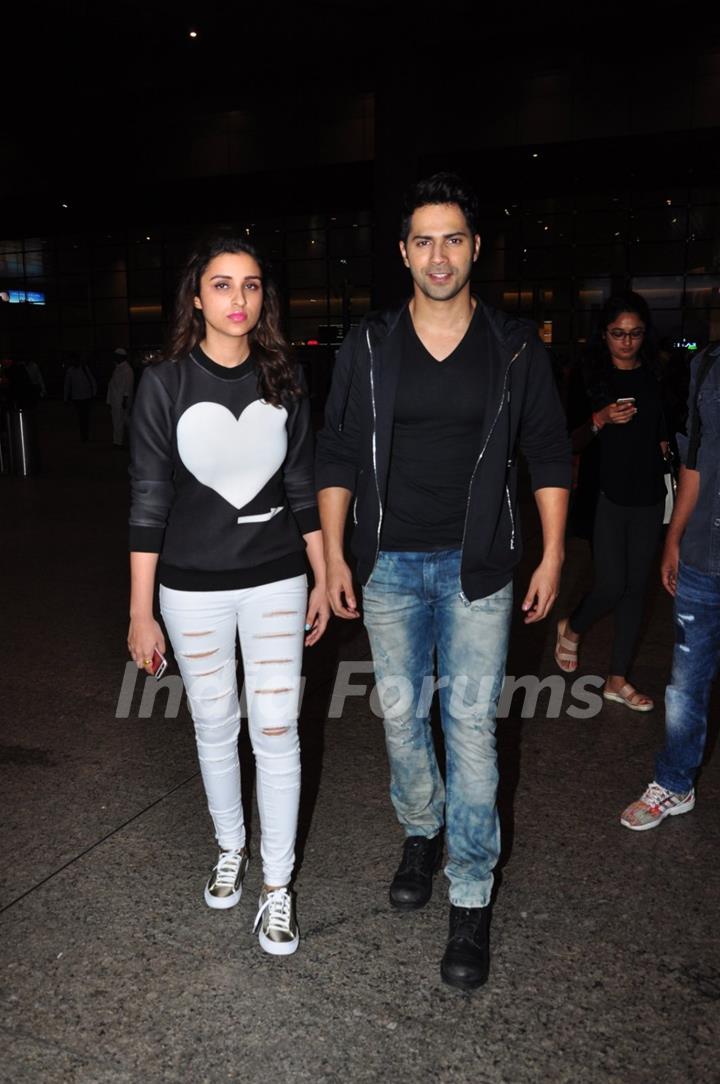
{"x": 230, "y": 297}
{"x": 624, "y": 337}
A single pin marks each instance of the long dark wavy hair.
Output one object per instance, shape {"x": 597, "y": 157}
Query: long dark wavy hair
{"x": 277, "y": 379}
{"x": 597, "y": 363}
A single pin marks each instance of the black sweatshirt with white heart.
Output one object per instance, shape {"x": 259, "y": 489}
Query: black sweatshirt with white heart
{"x": 221, "y": 481}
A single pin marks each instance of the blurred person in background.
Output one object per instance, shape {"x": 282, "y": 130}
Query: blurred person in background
{"x": 120, "y": 395}
{"x": 626, "y": 442}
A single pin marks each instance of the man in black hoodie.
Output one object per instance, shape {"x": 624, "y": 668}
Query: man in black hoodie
{"x": 426, "y": 413}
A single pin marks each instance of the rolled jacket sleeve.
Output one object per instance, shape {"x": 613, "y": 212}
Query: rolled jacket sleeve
{"x": 298, "y": 469}
{"x": 543, "y": 437}
{"x": 339, "y": 440}
{"x": 151, "y": 465}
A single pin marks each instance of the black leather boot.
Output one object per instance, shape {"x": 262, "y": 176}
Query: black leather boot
{"x": 411, "y": 886}
{"x": 466, "y": 962}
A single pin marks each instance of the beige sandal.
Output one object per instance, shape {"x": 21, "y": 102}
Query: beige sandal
{"x": 630, "y": 697}
{"x": 566, "y": 651}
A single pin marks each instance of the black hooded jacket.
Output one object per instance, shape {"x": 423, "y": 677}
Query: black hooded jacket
{"x": 523, "y": 413}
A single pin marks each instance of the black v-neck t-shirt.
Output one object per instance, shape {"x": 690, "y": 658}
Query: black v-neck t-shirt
{"x": 437, "y": 427}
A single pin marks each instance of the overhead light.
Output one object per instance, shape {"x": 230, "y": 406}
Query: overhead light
{"x": 193, "y": 33}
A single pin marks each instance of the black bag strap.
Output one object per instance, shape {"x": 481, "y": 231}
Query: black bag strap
{"x": 709, "y": 356}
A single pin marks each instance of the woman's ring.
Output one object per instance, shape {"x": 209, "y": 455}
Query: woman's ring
{"x": 146, "y": 662}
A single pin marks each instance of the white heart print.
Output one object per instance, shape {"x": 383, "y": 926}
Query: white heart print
{"x": 236, "y": 457}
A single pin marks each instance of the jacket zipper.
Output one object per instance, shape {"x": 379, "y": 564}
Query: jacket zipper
{"x": 498, "y": 412}
{"x": 374, "y": 452}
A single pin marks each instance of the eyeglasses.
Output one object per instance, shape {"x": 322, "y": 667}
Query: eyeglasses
{"x": 618, "y": 333}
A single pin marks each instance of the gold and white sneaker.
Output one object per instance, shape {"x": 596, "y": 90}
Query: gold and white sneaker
{"x": 278, "y": 934}
{"x": 224, "y": 886}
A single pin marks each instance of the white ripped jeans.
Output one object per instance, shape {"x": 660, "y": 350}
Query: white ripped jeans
{"x": 270, "y": 621}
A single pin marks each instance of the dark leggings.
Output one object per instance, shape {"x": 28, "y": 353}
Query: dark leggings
{"x": 624, "y": 545}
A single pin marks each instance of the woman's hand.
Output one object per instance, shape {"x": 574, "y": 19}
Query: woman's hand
{"x": 616, "y": 413}
{"x": 144, "y": 635}
{"x": 318, "y": 614}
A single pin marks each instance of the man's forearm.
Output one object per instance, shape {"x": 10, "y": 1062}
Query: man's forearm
{"x": 552, "y": 506}
{"x": 333, "y": 504}
{"x": 685, "y": 501}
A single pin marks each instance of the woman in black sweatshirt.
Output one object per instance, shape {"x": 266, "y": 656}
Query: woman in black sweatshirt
{"x": 224, "y": 515}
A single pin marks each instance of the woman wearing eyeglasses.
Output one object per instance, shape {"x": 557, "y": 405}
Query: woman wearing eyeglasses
{"x": 628, "y": 441}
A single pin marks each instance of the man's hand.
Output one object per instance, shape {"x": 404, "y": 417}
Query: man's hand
{"x": 340, "y": 589}
{"x": 669, "y": 564}
{"x": 542, "y": 590}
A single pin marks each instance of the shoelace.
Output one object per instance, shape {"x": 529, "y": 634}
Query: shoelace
{"x": 277, "y": 904}
{"x": 466, "y": 926}
{"x": 227, "y": 868}
{"x": 655, "y": 795}
{"x": 414, "y": 855}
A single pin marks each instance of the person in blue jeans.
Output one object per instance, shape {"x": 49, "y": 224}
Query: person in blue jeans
{"x": 690, "y": 571}
{"x": 428, "y": 409}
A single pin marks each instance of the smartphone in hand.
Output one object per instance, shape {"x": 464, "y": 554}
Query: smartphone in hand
{"x": 158, "y": 664}
{"x": 630, "y": 399}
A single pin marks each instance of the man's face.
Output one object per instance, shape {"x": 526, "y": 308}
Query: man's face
{"x": 440, "y": 251}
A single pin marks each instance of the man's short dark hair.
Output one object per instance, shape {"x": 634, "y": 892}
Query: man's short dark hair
{"x": 440, "y": 188}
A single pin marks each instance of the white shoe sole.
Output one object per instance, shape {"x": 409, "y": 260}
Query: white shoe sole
{"x": 633, "y": 707}
{"x": 683, "y": 807}
{"x": 278, "y": 948}
{"x": 221, "y": 903}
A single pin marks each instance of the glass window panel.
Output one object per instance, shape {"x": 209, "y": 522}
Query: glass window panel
{"x": 77, "y": 337}
{"x": 702, "y": 291}
{"x": 147, "y": 336}
{"x": 175, "y": 253}
{"x": 305, "y": 222}
{"x": 307, "y": 303}
{"x": 661, "y": 197}
{"x": 349, "y": 242}
{"x": 500, "y": 295}
{"x": 600, "y": 226}
{"x": 593, "y": 292}
{"x": 147, "y": 309}
{"x": 546, "y": 229}
{"x": 109, "y": 256}
{"x": 546, "y": 261}
{"x": 302, "y": 329}
{"x": 76, "y": 258}
{"x": 359, "y": 302}
{"x": 644, "y": 259}
{"x": 599, "y": 259}
{"x": 11, "y": 264}
{"x": 557, "y": 326}
{"x": 35, "y": 265}
{"x": 144, "y": 283}
{"x": 110, "y": 336}
{"x": 667, "y": 322}
{"x": 110, "y": 311}
{"x": 702, "y": 256}
{"x": 556, "y": 295}
{"x": 309, "y": 245}
{"x": 661, "y": 224}
{"x": 74, "y": 288}
{"x": 145, "y": 254}
{"x": 602, "y": 201}
{"x": 499, "y": 263}
{"x": 354, "y": 271}
{"x": 74, "y": 313}
{"x": 110, "y": 283}
{"x": 269, "y": 243}
{"x": 660, "y": 291}
{"x": 704, "y": 222}
{"x": 306, "y": 273}
{"x": 10, "y": 247}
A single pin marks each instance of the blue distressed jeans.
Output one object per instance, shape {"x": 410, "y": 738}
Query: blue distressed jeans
{"x": 414, "y": 609}
{"x": 695, "y": 663}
